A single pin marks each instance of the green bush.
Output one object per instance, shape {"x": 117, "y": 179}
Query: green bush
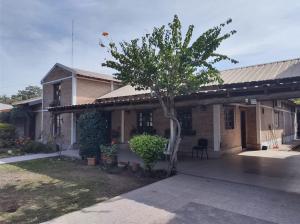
{"x": 7, "y": 135}
{"x": 93, "y": 132}
{"x": 150, "y": 148}
{"x": 37, "y": 147}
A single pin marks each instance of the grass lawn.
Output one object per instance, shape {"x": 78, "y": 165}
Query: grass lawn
{"x": 39, "y": 190}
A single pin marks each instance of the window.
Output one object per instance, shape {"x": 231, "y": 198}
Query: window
{"x": 56, "y": 94}
{"x": 144, "y": 121}
{"x": 186, "y": 121}
{"x": 229, "y": 117}
{"x": 57, "y": 125}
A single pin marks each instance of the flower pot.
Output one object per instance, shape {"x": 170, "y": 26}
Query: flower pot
{"x": 135, "y": 166}
{"x": 91, "y": 161}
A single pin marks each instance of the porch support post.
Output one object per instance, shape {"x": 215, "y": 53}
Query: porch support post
{"x": 73, "y": 128}
{"x": 258, "y": 125}
{"x": 122, "y": 126}
{"x": 216, "y": 127}
{"x": 295, "y": 124}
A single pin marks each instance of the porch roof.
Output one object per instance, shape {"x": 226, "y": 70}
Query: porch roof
{"x": 284, "y": 88}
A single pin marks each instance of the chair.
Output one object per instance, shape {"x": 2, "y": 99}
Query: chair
{"x": 202, "y": 146}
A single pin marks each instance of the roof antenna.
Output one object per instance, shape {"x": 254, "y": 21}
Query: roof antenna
{"x": 72, "y": 56}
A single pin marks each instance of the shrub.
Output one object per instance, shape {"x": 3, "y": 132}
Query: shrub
{"x": 93, "y": 131}
{"x": 7, "y": 135}
{"x": 149, "y": 148}
{"x": 37, "y": 147}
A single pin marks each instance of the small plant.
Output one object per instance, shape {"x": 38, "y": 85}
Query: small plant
{"x": 109, "y": 150}
{"x": 150, "y": 148}
{"x": 109, "y": 154}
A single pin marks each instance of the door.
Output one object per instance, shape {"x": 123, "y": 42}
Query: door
{"x": 243, "y": 130}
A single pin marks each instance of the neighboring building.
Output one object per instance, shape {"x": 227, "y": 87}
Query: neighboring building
{"x": 252, "y": 108}
{"x": 5, "y": 107}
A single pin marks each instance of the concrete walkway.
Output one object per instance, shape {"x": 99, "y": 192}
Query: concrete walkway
{"x": 208, "y": 195}
{"x": 27, "y": 157}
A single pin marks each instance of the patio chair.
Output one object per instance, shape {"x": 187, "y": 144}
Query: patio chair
{"x": 202, "y": 147}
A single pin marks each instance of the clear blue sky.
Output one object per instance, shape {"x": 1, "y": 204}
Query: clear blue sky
{"x": 34, "y": 35}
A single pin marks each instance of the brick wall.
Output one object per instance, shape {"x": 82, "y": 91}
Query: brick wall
{"x": 88, "y": 90}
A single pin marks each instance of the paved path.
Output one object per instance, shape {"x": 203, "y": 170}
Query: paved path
{"x": 27, "y": 157}
{"x": 209, "y": 198}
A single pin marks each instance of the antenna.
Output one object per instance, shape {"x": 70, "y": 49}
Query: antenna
{"x": 72, "y": 54}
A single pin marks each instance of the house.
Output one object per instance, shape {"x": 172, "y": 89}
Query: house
{"x": 251, "y": 109}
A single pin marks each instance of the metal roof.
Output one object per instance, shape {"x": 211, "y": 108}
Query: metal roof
{"x": 262, "y": 72}
{"x": 5, "y": 107}
{"x": 83, "y": 73}
{"x": 30, "y": 102}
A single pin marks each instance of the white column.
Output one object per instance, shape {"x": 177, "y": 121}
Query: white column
{"x": 73, "y": 116}
{"x": 73, "y": 128}
{"x": 258, "y": 124}
{"x": 295, "y": 124}
{"x": 112, "y": 88}
{"x": 217, "y": 127}
{"x": 122, "y": 126}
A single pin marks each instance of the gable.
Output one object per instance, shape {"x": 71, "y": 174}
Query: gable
{"x": 57, "y": 72}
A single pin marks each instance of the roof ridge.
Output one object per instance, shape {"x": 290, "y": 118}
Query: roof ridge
{"x": 262, "y": 64}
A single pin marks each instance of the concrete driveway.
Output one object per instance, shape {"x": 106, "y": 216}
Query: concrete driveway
{"x": 236, "y": 189}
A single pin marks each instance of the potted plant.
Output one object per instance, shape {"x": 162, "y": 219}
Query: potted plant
{"x": 109, "y": 154}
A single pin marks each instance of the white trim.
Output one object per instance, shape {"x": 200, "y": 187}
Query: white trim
{"x": 42, "y": 120}
{"x": 56, "y": 65}
{"x": 258, "y": 123}
{"x": 57, "y": 80}
{"x": 74, "y": 90}
{"x": 216, "y": 127}
{"x": 122, "y": 126}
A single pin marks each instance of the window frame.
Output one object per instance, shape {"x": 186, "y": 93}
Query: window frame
{"x": 229, "y": 118}
{"x": 144, "y": 121}
{"x": 185, "y": 118}
{"x": 57, "y": 93}
{"x": 57, "y": 124}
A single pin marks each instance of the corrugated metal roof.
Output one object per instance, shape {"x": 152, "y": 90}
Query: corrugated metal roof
{"x": 31, "y": 101}
{"x": 5, "y": 107}
{"x": 81, "y": 72}
{"x": 261, "y": 72}
{"x": 124, "y": 91}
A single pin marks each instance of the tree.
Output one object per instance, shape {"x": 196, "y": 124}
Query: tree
{"x": 169, "y": 65}
{"x": 25, "y": 94}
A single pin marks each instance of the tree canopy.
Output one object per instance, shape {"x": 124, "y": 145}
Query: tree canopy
{"x": 170, "y": 64}
{"x": 24, "y": 94}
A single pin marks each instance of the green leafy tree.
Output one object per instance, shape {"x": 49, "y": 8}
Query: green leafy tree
{"x": 169, "y": 65}
{"x": 25, "y": 94}
{"x": 28, "y": 93}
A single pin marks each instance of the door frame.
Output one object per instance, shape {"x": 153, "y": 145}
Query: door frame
{"x": 243, "y": 128}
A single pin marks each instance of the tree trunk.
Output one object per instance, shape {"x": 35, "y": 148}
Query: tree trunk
{"x": 175, "y": 131}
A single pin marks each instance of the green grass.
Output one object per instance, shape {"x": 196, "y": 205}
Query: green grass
{"x": 39, "y": 190}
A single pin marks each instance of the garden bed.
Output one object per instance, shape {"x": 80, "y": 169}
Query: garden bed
{"x": 39, "y": 190}
{"x": 10, "y": 152}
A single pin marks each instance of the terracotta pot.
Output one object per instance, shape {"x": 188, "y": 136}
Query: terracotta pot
{"x": 135, "y": 166}
{"x": 91, "y": 161}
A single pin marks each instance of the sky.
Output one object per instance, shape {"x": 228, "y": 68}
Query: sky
{"x": 36, "y": 34}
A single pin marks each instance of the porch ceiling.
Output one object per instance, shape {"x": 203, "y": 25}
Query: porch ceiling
{"x": 285, "y": 88}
